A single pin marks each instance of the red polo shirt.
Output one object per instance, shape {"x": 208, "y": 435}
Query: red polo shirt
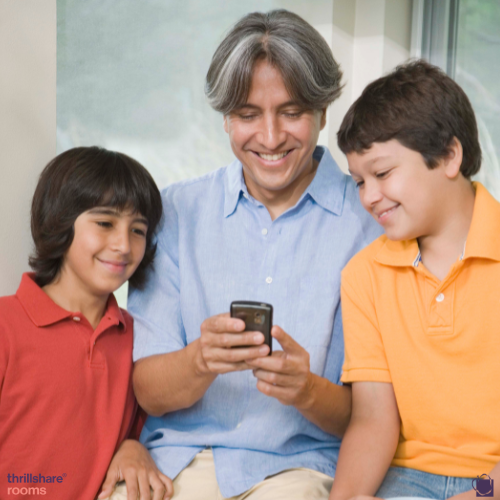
{"x": 66, "y": 400}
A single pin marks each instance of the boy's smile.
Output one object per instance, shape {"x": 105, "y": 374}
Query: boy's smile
{"x": 107, "y": 248}
{"x": 399, "y": 190}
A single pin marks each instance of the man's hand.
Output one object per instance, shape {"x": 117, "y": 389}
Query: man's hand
{"x": 285, "y": 375}
{"x": 133, "y": 464}
{"x": 218, "y": 335}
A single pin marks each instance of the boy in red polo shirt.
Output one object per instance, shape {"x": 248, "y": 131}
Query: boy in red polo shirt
{"x": 67, "y": 406}
{"x": 420, "y": 305}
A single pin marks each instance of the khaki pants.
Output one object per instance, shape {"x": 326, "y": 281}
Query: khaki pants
{"x": 197, "y": 482}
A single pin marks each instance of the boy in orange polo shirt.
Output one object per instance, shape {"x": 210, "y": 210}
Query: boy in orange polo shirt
{"x": 66, "y": 403}
{"x": 421, "y": 305}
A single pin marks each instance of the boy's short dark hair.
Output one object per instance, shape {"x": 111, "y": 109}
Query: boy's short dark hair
{"x": 421, "y": 107}
{"x": 76, "y": 181}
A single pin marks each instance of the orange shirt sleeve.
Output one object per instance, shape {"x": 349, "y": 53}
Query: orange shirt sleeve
{"x": 365, "y": 359}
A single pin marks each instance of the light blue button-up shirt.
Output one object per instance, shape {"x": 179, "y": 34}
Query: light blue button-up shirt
{"x": 218, "y": 244}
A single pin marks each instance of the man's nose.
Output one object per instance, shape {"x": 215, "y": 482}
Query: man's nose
{"x": 272, "y": 134}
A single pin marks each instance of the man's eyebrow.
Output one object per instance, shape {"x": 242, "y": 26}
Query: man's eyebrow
{"x": 116, "y": 213}
{"x": 249, "y": 105}
{"x": 288, "y": 104}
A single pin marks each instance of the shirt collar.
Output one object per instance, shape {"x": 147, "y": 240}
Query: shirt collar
{"x": 43, "y": 311}
{"x": 326, "y": 189}
{"x": 482, "y": 240}
{"x": 398, "y": 253}
{"x": 328, "y": 186}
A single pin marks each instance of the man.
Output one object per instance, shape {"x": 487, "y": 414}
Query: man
{"x": 275, "y": 226}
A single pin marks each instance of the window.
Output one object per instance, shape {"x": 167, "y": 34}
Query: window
{"x": 462, "y": 37}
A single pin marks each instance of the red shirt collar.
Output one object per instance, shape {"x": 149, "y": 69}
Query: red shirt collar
{"x": 43, "y": 311}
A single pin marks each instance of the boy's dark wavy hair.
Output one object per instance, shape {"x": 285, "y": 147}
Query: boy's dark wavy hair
{"x": 76, "y": 181}
{"x": 420, "y": 106}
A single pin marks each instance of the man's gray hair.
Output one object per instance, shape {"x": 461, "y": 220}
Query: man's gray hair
{"x": 310, "y": 73}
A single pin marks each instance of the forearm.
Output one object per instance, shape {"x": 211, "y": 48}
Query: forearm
{"x": 327, "y": 405}
{"x": 173, "y": 381}
{"x": 365, "y": 456}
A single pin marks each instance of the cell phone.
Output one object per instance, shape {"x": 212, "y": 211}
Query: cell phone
{"x": 258, "y": 317}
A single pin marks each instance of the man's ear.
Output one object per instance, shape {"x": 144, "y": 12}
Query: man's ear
{"x": 226, "y": 129}
{"x": 322, "y": 123}
{"x": 453, "y": 161}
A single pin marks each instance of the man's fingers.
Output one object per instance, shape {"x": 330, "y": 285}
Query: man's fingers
{"x": 282, "y": 394}
{"x": 289, "y": 345}
{"x": 235, "y": 355}
{"x": 223, "y": 323}
{"x": 237, "y": 339}
{"x": 278, "y": 362}
{"x": 274, "y": 378}
{"x": 229, "y": 367}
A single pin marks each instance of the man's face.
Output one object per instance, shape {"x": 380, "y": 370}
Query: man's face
{"x": 107, "y": 248}
{"x": 398, "y": 189}
{"x": 272, "y": 136}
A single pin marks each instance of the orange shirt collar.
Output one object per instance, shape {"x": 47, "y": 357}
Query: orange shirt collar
{"x": 43, "y": 311}
{"x": 482, "y": 240}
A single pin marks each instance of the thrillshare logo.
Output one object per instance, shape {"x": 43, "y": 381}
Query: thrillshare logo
{"x": 31, "y": 484}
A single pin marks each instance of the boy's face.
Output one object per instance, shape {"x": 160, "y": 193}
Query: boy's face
{"x": 107, "y": 248}
{"x": 398, "y": 189}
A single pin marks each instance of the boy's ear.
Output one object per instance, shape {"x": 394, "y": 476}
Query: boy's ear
{"x": 226, "y": 129}
{"x": 453, "y": 160}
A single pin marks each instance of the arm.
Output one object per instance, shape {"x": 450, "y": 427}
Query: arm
{"x": 327, "y": 405}
{"x": 173, "y": 381}
{"x": 369, "y": 443}
{"x": 286, "y": 376}
{"x": 170, "y": 373}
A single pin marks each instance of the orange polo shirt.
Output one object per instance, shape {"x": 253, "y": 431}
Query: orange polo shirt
{"x": 66, "y": 400}
{"x": 438, "y": 343}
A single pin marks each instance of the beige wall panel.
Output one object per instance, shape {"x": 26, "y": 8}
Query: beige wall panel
{"x": 27, "y": 122}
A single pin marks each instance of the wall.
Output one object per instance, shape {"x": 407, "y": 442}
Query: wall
{"x": 369, "y": 38}
{"x": 27, "y": 122}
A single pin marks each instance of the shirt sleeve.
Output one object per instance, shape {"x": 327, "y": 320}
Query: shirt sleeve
{"x": 365, "y": 359}
{"x": 158, "y": 327}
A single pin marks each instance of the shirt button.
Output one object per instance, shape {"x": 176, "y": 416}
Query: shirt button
{"x": 264, "y": 231}
{"x": 269, "y": 280}
{"x": 76, "y": 318}
{"x": 238, "y": 426}
{"x": 440, "y": 298}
